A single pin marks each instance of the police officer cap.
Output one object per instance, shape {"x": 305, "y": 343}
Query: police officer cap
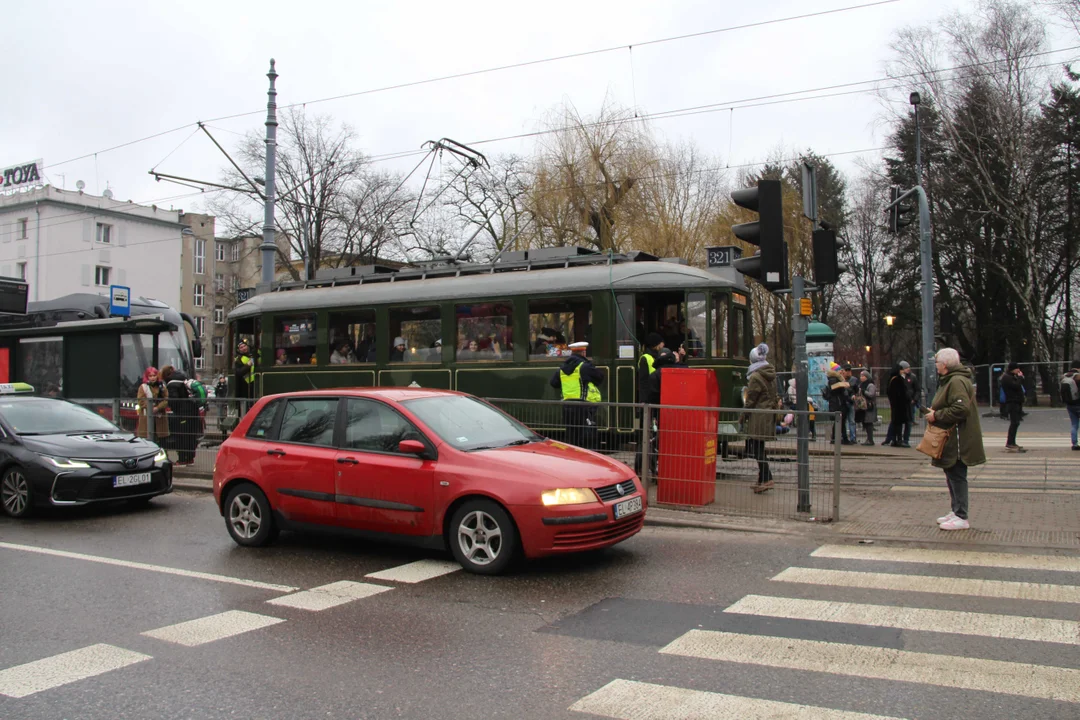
{"x": 578, "y": 345}
{"x": 241, "y": 343}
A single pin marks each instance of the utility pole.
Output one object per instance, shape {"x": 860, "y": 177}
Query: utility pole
{"x": 269, "y": 247}
{"x": 929, "y": 379}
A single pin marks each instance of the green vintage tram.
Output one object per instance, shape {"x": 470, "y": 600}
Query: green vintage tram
{"x": 495, "y": 330}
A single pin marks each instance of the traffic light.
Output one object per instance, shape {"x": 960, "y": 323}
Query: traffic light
{"x": 827, "y": 266}
{"x": 769, "y": 265}
{"x": 897, "y": 211}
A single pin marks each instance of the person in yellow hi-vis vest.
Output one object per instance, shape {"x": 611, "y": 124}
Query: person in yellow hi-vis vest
{"x": 244, "y": 371}
{"x": 579, "y": 381}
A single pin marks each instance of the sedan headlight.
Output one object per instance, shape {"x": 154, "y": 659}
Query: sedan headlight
{"x": 568, "y": 496}
{"x": 161, "y": 456}
{"x": 66, "y": 463}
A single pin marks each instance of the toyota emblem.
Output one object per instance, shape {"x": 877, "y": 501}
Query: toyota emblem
{"x": 131, "y": 463}
{"x": 620, "y": 489}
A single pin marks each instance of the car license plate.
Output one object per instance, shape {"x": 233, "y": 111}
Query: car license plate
{"x": 128, "y": 480}
{"x": 627, "y": 507}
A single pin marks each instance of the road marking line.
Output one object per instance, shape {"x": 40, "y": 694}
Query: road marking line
{"x": 328, "y": 596}
{"x": 69, "y": 667}
{"x": 1004, "y": 589}
{"x": 212, "y": 627}
{"x": 950, "y": 557}
{"x": 943, "y": 488}
{"x": 152, "y": 568}
{"x": 1012, "y": 627}
{"x": 631, "y": 700}
{"x": 415, "y": 572}
{"x": 1010, "y": 678}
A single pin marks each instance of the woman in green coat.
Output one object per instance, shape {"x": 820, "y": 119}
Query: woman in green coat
{"x": 954, "y": 409}
{"x": 760, "y": 426}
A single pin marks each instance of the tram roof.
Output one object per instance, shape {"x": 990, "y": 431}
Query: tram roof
{"x": 627, "y": 277}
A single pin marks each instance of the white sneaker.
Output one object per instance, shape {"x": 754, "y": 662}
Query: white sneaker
{"x": 955, "y": 524}
{"x": 947, "y": 518}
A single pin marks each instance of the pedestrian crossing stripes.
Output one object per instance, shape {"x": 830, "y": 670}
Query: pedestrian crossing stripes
{"x": 52, "y": 672}
{"x": 211, "y": 628}
{"x": 325, "y": 597}
{"x": 817, "y": 649}
{"x": 1002, "y": 589}
{"x": 632, "y": 700}
{"x": 415, "y": 572}
{"x": 1011, "y": 627}
{"x": 967, "y": 673}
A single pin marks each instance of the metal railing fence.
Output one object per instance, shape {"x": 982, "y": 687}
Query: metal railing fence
{"x": 741, "y": 462}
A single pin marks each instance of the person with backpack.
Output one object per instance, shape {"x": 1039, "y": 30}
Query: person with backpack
{"x": 1012, "y": 381}
{"x": 1070, "y": 395}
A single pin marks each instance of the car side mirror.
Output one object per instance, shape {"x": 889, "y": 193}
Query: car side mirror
{"x": 412, "y": 447}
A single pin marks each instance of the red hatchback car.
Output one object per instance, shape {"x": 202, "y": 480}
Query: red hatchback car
{"x": 438, "y": 468}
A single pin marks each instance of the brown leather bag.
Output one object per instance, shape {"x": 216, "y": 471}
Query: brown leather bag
{"x": 933, "y": 441}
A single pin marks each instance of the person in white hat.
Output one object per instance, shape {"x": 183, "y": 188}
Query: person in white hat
{"x": 397, "y": 353}
{"x": 578, "y": 382}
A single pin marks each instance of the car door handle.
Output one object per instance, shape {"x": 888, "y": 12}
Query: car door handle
{"x": 279, "y": 453}
{"x": 348, "y": 461}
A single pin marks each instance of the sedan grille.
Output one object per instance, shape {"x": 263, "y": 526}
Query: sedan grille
{"x": 612, "y": 533}
{"x": 612, "y": 492}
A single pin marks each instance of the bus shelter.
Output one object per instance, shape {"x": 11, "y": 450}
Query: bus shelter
{"x": 80, "y": 359}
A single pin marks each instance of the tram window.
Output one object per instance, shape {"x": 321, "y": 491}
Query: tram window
{"x": 720, "y": 325}
{"x": 294, "y": 340}
{"x": 352, "y": 337}
{"x": 696, "y": 322}
{"x": 485, "y": 331}
{"x": 738, "y": 325}
{"x": 555, "y": 323}
{"x": 421, "y": 329}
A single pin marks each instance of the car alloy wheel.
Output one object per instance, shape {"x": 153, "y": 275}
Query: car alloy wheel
{"x": 15, "y": 493}
{"x": 245, "y": 516}
{"x": 480, "y": 538}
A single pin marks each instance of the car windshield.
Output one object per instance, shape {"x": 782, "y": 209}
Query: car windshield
{"x": 43, "y": 416}
{"x": 468, "y": 424}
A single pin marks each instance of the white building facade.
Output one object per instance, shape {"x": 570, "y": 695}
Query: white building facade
{"x": 63, "y": 242}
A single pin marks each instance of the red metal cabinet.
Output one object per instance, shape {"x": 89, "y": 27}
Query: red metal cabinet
{"x": 686, "y": 472}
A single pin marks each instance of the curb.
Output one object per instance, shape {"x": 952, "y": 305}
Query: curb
{"x": 189, "y": 484}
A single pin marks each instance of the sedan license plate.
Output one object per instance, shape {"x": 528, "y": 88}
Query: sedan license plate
{"x": 128, "y": 480}
{"x": 627, "y": 507}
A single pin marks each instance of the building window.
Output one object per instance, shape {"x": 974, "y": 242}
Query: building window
{"x": 219, "y": 251}
{"x": 484, "y": 331}
{"x": 200, "y": 256}
{"x": 554, "y": 324}
{"x": 352, "y": 337}
{"x": 198, "y": 363}
{"x": 219, "y": 316}
{"x": 232, "y": 283}
{"x": 198, "y": 294}
{"x": 219, "y": 282}
{"x": 101, "y": 275}
{"x": 20, "y": 270}
{"x": 294, "y": 340}
{"x": 200, "y": 326}
{"x": 236, "y": 251}
{"x": 104, "y": 233}
{"x": 22, "y": 228}
{"x": 421, "y": 330}
{"x": 219, "y": 347}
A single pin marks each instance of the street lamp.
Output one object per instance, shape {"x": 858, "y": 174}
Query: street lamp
{"x": 890, "y": 319}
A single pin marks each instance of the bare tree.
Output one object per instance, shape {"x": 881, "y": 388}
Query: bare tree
{"x": 494, "y": 201}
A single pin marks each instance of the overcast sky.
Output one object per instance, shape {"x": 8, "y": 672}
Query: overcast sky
{"x": 81, "y": 77}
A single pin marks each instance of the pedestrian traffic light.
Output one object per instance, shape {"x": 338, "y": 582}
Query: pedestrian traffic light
{"x": 769, "y": 265}
{"x": 827, "y": 248}
{"x": 897, "y": 211}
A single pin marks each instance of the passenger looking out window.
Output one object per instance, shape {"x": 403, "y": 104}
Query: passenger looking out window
{"x": 352, "y": 337}
{"x": 555, "y": 323}
{"x": 417, "y": 333}
{"x": 294, "y": 340}
{"x": 485, "y": 332}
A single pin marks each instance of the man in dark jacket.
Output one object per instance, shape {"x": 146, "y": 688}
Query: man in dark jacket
{"x": 654, "y": 343}
{"x": 183, "y": 418}
{"x": 915, "y": 389}
{"x": 1012, "y": 381}
{"x": 898, "y": 391}
{"x": 578, "y": 382}
{"x": 244, "y": 371}
{"x": 839, "y": 398}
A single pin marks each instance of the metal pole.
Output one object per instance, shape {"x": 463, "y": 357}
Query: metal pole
{"x": 837, "y": 440}
{"x": 918, "y": 148}
{"x": 798, "y": 322}
{"x": 929, "y": 379}
{"x": 646, "y": 436}
{"x": 269, "y": 247}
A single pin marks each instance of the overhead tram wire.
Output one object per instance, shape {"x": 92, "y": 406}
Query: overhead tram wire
{"x": 485, "y": 71}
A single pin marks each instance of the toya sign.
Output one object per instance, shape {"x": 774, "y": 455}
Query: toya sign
{"x": 21, "y": 175}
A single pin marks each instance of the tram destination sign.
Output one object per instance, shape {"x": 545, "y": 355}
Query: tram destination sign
{"x": 13, "y": 295}
{"x": 24, "y": 174}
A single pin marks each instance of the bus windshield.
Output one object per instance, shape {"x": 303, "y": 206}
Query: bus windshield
{"x": 137, "y": 353}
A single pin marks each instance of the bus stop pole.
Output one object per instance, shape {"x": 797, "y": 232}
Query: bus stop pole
{"x": 799, "y": 324}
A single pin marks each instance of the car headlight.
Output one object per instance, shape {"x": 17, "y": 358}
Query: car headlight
{"x": 568, "y": 496}
{"x": 66, "y": 463}
{"x": 161, "y": 456}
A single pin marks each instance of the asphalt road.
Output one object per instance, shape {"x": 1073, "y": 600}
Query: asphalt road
{"x": 671, "y": 624}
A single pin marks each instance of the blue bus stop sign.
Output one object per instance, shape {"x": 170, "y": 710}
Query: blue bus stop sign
{"x": 119, "y": 301}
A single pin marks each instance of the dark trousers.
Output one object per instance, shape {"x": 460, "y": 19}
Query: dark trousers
{"x": 1014, "y": 410}
{"x": 756, "y": 450}
{"x": 869, "y": 428}
{"x": 896, "y": 432}
{"x": 956, "y": 478}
